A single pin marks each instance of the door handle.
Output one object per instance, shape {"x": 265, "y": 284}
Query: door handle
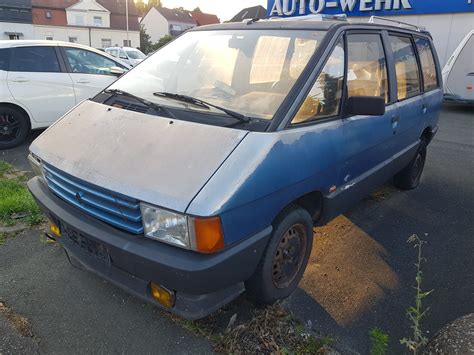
{"x": 425, "y": 109}
{"x": 395, "y": 119}
{"x": 83, "y": 81}
{"x": 20, "y": 79}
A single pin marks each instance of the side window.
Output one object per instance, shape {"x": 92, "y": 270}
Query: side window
{"x": 367, "y": 67}
{"x": 35, "y": 59}
{"x": 428, "y": 66}
{"x": 4, "y": 58}
{"x": 325, "y": 96}
{"x": 87, "y": 62}
{"x": 406, "y": 67}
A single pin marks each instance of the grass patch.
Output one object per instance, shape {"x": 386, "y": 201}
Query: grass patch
{"x": 16, "y": 202}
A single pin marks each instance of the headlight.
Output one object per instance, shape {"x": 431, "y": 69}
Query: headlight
{"x": 200, "y": 234}
{"x": 36, "y": 165}
{"x": 165, "y": 226}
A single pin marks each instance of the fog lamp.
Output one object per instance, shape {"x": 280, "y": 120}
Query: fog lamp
{"x": 162, "y": 295}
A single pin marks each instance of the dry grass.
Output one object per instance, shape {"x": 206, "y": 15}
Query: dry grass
{"x": 20, "y": 323}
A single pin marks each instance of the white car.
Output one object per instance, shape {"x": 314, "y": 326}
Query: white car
{"x": 41, "y": 80}
{"x": 129, "y": 55}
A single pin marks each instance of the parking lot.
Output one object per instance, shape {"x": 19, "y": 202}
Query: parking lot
{"x": 360, "y": 275}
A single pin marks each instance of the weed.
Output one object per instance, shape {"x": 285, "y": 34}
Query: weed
{"x": 3, "y": 238}
{"x": 4, "y": 168}
{"x": 416, "y": 313}
{"x": 378, "y": 342}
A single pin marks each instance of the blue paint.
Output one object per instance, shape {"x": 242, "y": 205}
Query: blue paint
{"x": 368, "y": 7}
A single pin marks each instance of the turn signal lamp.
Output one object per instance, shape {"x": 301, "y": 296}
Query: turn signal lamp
{"x": 162, "y": 295}
{"x": 209, "y": 235}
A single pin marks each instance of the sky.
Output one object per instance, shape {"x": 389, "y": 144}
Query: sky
{"x": 224, "y": 9}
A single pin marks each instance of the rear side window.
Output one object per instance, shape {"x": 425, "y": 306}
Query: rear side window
{"x": 406, "y": 67}
{"x": 4, "y": 58}
{"x": 428, "y": 66}
{"x": 367, "y": 67}
{"x": 324, "y": 98}
{"x": 35, "y": 59}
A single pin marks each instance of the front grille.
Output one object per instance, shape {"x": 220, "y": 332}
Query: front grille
{"x": 120, "y": 211}
{"x": 130, "y": 106}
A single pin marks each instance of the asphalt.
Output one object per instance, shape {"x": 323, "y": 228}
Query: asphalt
{"x": 360, "y": 274}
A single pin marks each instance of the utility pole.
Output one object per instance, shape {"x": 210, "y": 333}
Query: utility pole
{"x": 126, "y": 16}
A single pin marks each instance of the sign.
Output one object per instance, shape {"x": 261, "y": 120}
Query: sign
{"x": 367, "y": 7}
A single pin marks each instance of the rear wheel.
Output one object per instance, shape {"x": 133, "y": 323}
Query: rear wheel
{"x": 14, "y": 127}
{"x": 284, "y": 261}
{"x": 409, "y": 177}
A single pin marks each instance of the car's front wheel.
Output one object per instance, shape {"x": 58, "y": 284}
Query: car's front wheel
{"x": 14, "y": 127}
{"x": 286, "y": 256}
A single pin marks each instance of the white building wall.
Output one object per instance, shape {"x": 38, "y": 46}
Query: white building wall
{"x": 87, "y": 10}
{"x": 155, "y": 24}
{"x": 25, "y": 28}
{"x": 447, "y": 29}
{"x": 59, "y": 33}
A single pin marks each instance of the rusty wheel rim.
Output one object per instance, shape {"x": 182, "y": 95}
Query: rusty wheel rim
{"x": 289, "y": 256}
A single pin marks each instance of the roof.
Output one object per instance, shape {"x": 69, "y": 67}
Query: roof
{"x": 177, "y": 15}
{"x": 250, "y": 13}
{"x": 203, "y": 19}
{"x": 118, "y": 6}
{"x": 54, "y": 4}
{"x": 25, "y": 4}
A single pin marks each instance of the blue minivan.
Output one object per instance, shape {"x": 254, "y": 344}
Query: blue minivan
{"x": 201, "y": 173}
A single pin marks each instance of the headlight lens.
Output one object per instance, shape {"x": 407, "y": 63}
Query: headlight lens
{"x": 165, "y": 226}
{"x": 36, "y": 165}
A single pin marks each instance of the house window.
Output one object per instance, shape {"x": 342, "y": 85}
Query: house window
{"x": 106, "y": 42}
{"x": 79, "y": 20}
{"x": 127, "y": 43}
{"x": 49, "y": 37}
{"x": 97, "y": 21}
{"x": 14, "y": 37}
{"x": 73, "y": 39}
{"x": 48, "y": 14}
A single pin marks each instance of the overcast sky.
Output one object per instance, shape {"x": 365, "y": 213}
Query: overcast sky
{"x": 224, "y": 9}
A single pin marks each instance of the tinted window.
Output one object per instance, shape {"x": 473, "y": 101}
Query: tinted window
{"x": 367, "y": 67}
{"x": 428, "y": 66}
{"x": 406, "y": 67}
{"x": 4, "y": 58}
{"x": 87, "y": 62}
{"x": 35, "y": 59}
{"x": 325, "y": 97}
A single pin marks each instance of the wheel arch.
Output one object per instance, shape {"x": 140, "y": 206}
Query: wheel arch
{"x": 311, "y": 201}
{"x": 19, "y": 108}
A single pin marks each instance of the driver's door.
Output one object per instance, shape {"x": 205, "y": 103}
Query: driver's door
{"x": 89, "y": 71}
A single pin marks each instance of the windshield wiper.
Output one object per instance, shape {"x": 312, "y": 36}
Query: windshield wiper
{"x": 147, "y": 103}
{"x": 202, "y": 103}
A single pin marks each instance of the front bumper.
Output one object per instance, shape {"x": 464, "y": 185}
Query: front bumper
{"x": 203, "y": 283}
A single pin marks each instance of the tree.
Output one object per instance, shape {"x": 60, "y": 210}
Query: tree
{"x": 163, "y": 40}
{"x": 197, "y": 9}
{"x": 146, "y": 46}
{"x": 143, "y": 8}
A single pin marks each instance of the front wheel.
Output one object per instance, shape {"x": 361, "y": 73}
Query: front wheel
{"x": 409, "y": 177}
{"x": 285, "y": 258}
{"x": 14, "y": 127}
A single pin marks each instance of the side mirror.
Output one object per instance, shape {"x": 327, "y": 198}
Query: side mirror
{"x": 117, "y": 71}
{"x": 365, "y": 105}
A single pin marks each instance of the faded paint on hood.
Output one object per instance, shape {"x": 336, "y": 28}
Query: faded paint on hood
{"x": 153, "y": 159}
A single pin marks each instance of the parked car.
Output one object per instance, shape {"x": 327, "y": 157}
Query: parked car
{"x": 129, "y": 55}
{"x": 190, "y": 181}
{"x": 42, "y": 80}
{"x": 458, "y": 73}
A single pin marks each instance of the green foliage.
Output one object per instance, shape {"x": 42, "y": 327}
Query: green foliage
{"x": 163, "y": 41}
{"x": 15, "y": 197}
{"x": 416, "y": 313}
{"x": 143, "y": 8}
{"x": 146, "y": 46}
{"x": 197, "y": 9}
{"x": 378, "y": 341}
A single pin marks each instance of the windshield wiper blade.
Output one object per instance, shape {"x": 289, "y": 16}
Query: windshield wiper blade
{"x": 202, "y": 103}
{"x": 147, "y": 103}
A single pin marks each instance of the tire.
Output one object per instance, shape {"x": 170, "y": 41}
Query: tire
{"x": 409, "y": 177}
{"x": 285, "y": 258}
{"x": 14, "y": 127}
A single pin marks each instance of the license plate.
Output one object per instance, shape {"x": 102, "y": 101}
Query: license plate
{"x": 85, "y": 244}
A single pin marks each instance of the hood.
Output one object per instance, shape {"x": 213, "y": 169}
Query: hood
{"x": 153, "y": 159}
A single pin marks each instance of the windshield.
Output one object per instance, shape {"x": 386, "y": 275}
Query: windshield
{"x": 250, "y": 71}
{"x": 136, "y": 55}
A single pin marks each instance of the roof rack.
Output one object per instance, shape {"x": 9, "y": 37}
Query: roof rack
{"x": 312, "y": 17}
{"x": 400, "y": 24}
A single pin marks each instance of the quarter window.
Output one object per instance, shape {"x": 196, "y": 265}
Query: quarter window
{"x": 406, "y": 67}
{"x": 324, "y": 99}
{"x": 87, "y": 62}
{"x": 35, "y": 59}
{"x": 367, "y": 67}
{"x": 428, "y": 66}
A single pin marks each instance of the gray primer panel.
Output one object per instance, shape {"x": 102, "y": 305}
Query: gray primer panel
{"x": 138, "y": 155}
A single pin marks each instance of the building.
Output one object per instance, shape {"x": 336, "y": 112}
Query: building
{"x": 255, "y": 12}
{"x": 15, "y": 19}
{"x": 449, "y": 21}
{"x": 97, "y": 23}
{"x": 203, "y": 19}
{"x": 159, "y": 22}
